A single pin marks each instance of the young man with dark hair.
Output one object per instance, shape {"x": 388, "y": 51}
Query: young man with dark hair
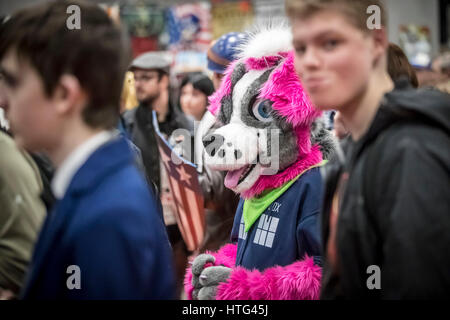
{"x": 104, "y": 238}
{"x": 386, "y": 214}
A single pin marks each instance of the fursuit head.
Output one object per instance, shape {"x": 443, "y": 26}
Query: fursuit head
{"x": 261, "y": 127}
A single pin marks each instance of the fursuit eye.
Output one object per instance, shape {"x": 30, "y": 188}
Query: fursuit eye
{"x": 261, "y": 111}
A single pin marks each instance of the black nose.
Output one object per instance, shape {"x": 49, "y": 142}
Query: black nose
{"x": 212, "y": 143}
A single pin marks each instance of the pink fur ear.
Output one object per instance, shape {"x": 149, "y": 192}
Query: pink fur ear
{"x": 264, "y": 62}
{"x": 261, "y": 63}
{"x": 289, "y": 98}
{"x": 224, "y": 90}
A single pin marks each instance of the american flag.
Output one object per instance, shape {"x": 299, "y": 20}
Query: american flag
{"x": 189, "y": 26}
{"x": 186, "y": 192}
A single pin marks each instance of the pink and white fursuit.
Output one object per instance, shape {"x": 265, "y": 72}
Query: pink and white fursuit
{"x": 301, "y": 279}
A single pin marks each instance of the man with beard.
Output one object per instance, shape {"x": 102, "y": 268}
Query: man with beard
{"x": 151, "y": 75}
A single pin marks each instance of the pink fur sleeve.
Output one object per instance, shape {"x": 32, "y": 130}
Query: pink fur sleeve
{"x": 297, "y": 281}
{"x": 225, "y": 256}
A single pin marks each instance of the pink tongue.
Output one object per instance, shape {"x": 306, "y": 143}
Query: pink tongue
{"x": 232, "y": 178}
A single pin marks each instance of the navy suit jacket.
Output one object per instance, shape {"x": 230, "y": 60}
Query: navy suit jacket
{"x": 108, "y": 224}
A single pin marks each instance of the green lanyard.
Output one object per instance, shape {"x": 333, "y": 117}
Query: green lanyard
{"x": 254, "y": 207}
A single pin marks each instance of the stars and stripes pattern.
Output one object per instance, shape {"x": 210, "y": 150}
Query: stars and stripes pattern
{"x": 186, "y": 192}
{"x": 189, "y": 26}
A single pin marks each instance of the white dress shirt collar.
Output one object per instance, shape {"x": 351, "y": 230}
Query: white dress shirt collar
{"x": 73, "y": 162}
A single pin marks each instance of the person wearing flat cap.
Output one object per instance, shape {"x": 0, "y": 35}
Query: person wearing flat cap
{"x": 151, "y": 77}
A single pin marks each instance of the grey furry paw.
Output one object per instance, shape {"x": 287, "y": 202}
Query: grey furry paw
{"x": 197, "y": 267}
{"x": 199, "y": 263}
{"x": 207, "y": 293}
{"x": 210, "y": 279}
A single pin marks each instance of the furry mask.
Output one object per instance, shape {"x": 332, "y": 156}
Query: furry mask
{"x": 262, "y": 118}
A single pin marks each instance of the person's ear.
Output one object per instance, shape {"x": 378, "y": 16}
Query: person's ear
{"x": 380, "y": 41}
{"x": 68, "y": 95}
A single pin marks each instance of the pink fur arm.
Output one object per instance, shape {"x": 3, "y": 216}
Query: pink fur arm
{"x": 225, "y": 256}
{"x": 297, "y": 281}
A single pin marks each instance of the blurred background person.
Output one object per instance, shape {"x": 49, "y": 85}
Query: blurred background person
{"x": 21, "y": 210}
{"x": 194, "y": 92}
{"x": 399, "y": 66}
{"x": 441, "y": 65}
{"x": 128, "y": 98}
{"x": 151, "y": 79}
{"x": 222, "y": 52}
{"x": 21, "y": 215}
{"x": 437, "y": 75}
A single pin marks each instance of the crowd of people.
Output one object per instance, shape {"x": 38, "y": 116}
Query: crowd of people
{"x": 86, "y": 206}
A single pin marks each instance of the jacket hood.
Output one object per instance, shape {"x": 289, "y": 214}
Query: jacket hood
{"x": 405, "y": 102}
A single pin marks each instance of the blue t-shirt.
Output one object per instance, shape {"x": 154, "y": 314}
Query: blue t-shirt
{"x": 286, "y": 231}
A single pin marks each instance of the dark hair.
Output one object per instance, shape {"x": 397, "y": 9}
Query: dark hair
{"x": 96, "y": 54}
{"x": 161, "y": 74}
{"x": 398, "y": 65}
{"x": 199, "y": 81}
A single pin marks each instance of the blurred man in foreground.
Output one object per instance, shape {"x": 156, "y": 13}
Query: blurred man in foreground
{"x": 104, "y": 238}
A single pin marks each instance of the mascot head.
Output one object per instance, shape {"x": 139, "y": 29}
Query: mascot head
{"x": 261, "y": 120}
